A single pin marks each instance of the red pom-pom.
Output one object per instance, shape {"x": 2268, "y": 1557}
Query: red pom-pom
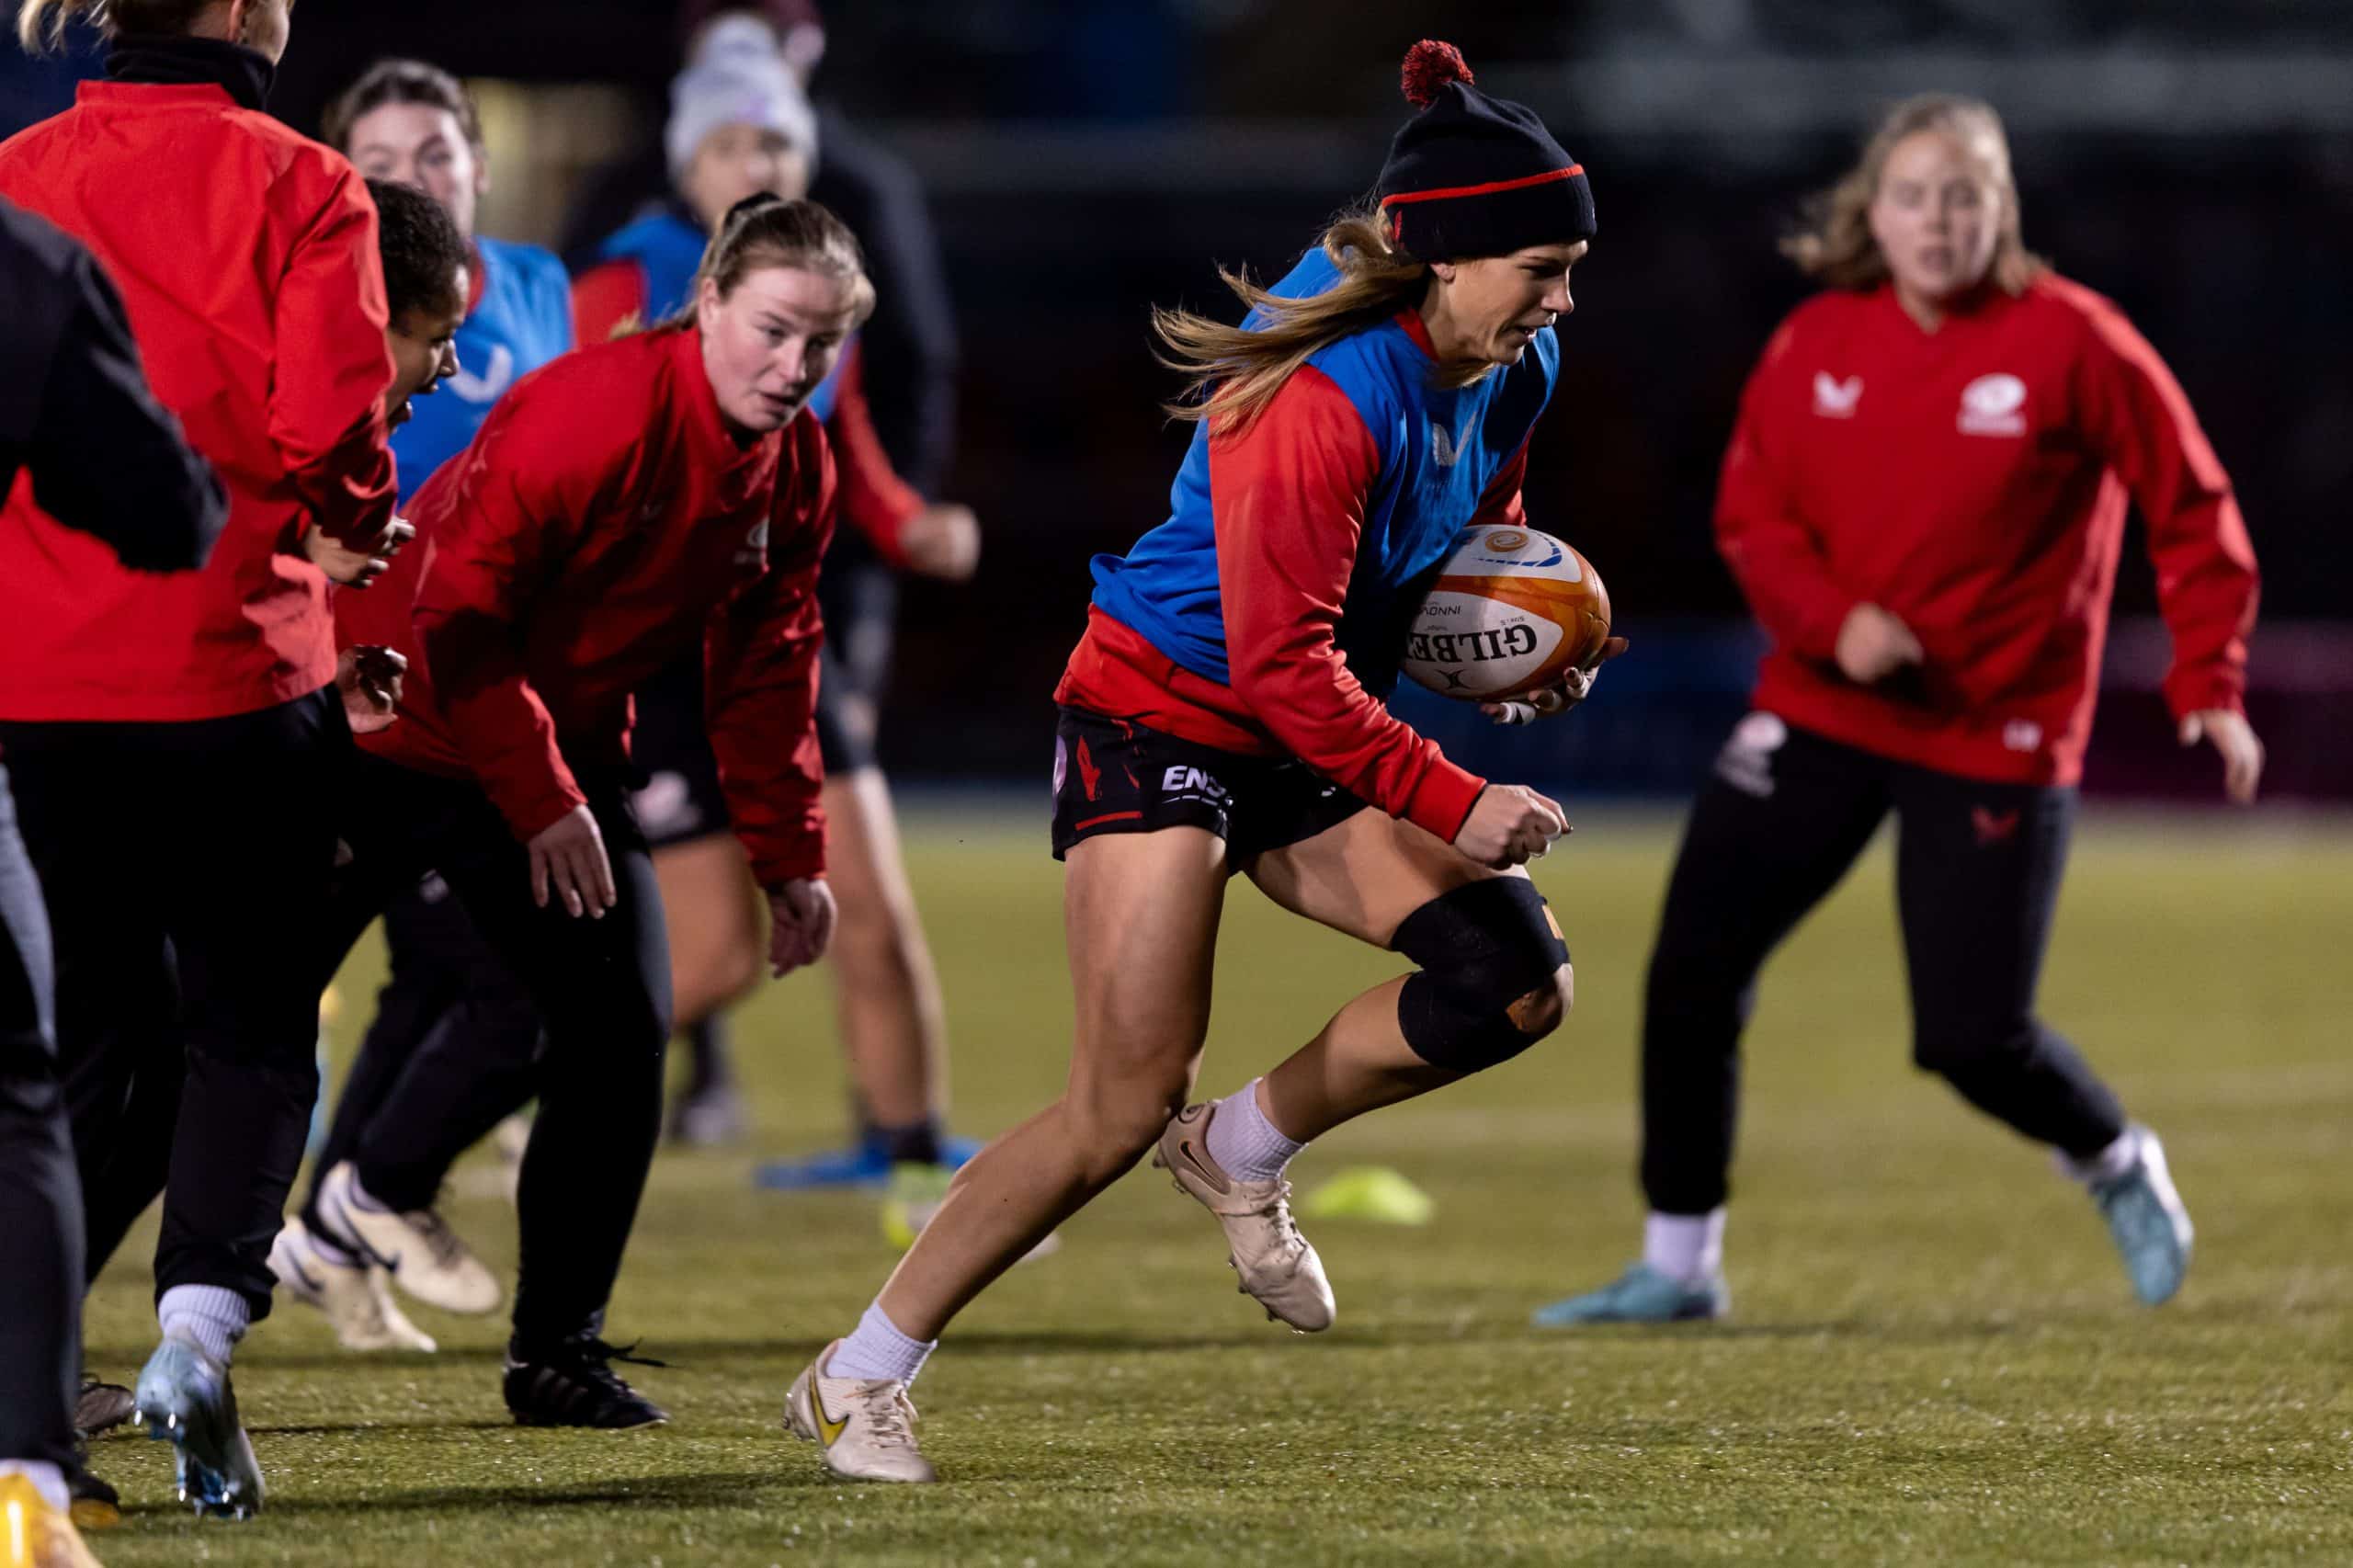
{"x": 1430, "y": 65}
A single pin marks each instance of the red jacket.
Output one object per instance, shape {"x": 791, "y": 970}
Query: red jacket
{"x": 246, "y": 258}
{"x": 603, "y": 521}
{"x": 610, "y": 297}
{"x": 1973, "y": 480}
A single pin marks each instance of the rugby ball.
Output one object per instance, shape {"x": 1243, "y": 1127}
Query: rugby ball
{"x": 1512, "y": 610}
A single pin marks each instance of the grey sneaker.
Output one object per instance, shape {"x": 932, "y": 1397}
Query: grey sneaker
{"x": 2145, "y": 1217}
{"x": 1642, "y": 1294}
{"x": 185, "y": 1399}
{"x": 1276, "y": 1265}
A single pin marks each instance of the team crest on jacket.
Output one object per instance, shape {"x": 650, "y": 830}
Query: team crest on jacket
{"x": 1835, "y": 399}
{"x": 755, "y": 545}
{"x": 1990, "y": 406}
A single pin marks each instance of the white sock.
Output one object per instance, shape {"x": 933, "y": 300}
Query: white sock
{"x": 877, "y": 1349}
{"x": 1688, "y": 1247}
{"x": 212, "y": 1318}
{"x": 1245, "y": 1145}
{"x": 2107, "y": 1165}
{"x": 47, "y": 1479}
{"x": 331, "y": 1251}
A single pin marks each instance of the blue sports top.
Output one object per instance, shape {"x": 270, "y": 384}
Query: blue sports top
{"x": 522, "y": 319}
{"x": 1438, "y": 450}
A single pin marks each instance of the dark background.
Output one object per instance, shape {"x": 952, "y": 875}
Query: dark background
{"x": 2194, "y": 162}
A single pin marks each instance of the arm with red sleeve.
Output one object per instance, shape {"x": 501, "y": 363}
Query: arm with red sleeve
{"x": 1776, "y": 557}
{"x": 1288, "y": 494}
{"x": 326, "y": 395}
{"x": 760, "y": 671}
{"x": 874, "y": 499}
{"x": 502, "y": 534}
{"x": 2137, "y": 417}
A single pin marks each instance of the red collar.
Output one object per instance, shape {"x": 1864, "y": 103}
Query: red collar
{"x": 1419, "y": 330}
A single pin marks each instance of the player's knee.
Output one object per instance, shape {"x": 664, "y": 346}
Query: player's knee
{"x": 1953, "y": 1044}
{"x": 1115, "y": 1117}
{"x": 1494, "y": 975}
{"x": 1546, "y": 1008}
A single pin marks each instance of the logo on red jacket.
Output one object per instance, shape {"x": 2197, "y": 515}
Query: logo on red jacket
{"x": 1836, "y": 399}
{"x": 1990, "y": 406}
{"x": 755, "y": 546}
{"x": 1993, "y": 827}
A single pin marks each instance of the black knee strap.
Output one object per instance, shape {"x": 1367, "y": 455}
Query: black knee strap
{"x": 1481, "y": 949}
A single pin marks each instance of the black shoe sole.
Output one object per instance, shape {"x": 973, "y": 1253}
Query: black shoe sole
{"x": 551, "y": 1421}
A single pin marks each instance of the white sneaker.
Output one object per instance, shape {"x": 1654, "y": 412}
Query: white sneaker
{"x": 1277, "y": 1264}
{"x": 424, "y": 1257}
{"x": 866, "y": 1427}
{"x": 358, "y": 1305}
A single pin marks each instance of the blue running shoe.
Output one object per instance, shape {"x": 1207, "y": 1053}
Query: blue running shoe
{"x": 2146, "y": 1217}
{"x": 864, "y": 1164}
{"x": 185, "y": 1399}
{"x": 1642, "y": 1294}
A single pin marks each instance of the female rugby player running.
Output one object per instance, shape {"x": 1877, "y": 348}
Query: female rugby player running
{"x": 1924, "y": 501}
{"x": 637, "y": 499}
{"x": 1223, "y": 714}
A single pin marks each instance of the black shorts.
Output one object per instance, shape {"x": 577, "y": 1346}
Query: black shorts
{"x": 1112, "y": 775}
{"x": 681, "y": 800}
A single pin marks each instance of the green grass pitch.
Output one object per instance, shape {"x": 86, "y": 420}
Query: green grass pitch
{"x": 1933, "y": 1358}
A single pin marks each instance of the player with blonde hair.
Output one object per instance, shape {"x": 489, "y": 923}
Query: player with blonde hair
{"x": 1223, "y": 715}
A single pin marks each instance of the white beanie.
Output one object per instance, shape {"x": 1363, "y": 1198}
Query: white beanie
{"x": 737, "y": 77}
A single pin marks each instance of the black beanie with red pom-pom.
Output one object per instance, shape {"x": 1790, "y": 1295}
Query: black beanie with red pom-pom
{"x": 1472, "y": 175}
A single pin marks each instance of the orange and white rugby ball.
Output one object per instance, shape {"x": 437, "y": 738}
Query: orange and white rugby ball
{"x": 1512, "y": 610}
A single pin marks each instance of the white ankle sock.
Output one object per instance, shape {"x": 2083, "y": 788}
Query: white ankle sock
{"x": 47, "y": 1479}
{"x": 329, "y": 1250}
{"x": 1246, "y": 1145}
{"x": 1689, "y": 1247}
{"x": 877, "y": 1349}
{"x": 212, "y": 1318}
{"x": 2108, "y": 1164}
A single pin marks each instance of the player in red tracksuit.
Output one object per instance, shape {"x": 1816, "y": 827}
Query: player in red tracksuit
{"x": 637, "y": 499}
{"x": 174, "y": 740}
{"x": 1925, "y": 501}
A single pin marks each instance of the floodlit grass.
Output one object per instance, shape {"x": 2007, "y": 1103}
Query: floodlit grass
{"x": 1934, "y": 1356}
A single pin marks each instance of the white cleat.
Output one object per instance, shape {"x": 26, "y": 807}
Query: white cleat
{"x": 424, "y": 1257}
{"x": 866, "y": 1427}
{"x": 1278, "y": 1266}
{"x": 357, "y": 1302}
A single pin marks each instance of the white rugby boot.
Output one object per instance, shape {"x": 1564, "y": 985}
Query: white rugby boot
{"x": 424, "y": 1257}
{"x": 357, "y": 1302}
{"x": 866, "y": 1426}
{"x": 1276, "y": 1264}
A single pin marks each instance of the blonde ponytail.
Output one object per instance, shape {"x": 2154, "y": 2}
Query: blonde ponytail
{"x": 1232, "y": 373}
{"x": 40, "y": 24}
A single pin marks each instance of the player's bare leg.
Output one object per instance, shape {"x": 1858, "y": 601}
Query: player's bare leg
{"x": 1142, "y": 912}
{"x": 1367, "y": 876}
{"x": 893, "y": 1023}
{"x": 717, "y": 945}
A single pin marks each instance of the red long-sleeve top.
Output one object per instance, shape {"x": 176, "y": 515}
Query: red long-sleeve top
{"x": 1312, "y": 546}
{"x": 245, "y": 256}
{"x": 611, "y": 298}
{"x": 1973, "y": 480}
{"x": 603, "y": 520}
